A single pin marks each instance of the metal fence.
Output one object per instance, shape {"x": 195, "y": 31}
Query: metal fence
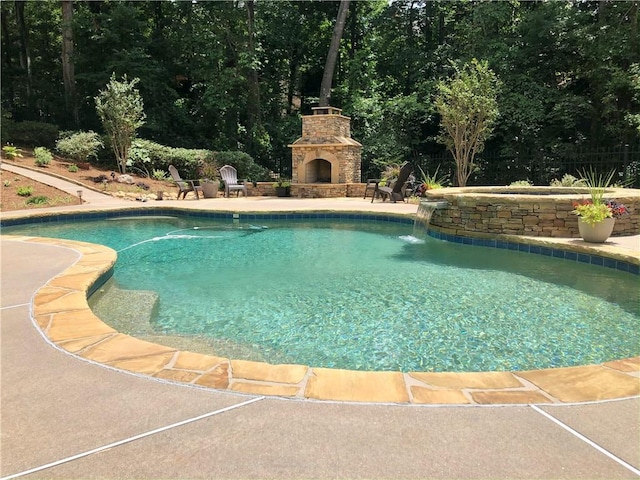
{"x": 541, "y": 167}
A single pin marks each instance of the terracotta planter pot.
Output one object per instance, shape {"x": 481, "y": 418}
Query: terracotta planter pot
{"x": 598, "y": 232}
{"x": 209, "y": 189}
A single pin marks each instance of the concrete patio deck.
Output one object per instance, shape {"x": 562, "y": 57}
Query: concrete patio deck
{"x": 64, "y": 417}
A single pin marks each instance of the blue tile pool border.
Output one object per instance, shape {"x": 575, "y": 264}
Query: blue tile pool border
{"x": 596, "y": 260}
{"x": 12, "y": 222}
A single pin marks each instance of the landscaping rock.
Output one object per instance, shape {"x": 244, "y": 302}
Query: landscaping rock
{"x": 128, "y": 179}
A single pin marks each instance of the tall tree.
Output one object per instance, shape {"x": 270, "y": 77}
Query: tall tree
{"x": 68, "y": 72}
{"x": 121, "y": 110}
{"x": 332, "y": 56}
{"x": 252, "y": 75}
{"x": 468, "y": 109}
{"x": 25, "y": 56}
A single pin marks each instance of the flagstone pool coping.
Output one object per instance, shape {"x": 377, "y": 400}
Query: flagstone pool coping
{"x": 61, "y": 311}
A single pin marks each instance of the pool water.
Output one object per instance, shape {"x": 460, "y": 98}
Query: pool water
{"x": 363, "y": 295}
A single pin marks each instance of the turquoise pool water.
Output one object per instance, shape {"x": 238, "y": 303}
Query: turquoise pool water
{"x": 363, "y": 295}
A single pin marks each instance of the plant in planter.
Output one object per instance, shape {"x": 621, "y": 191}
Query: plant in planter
{"x": 430, "y": 182}
{"x": 592, "y": 213}
{"x": 209, "y": 181}
{"x": 597, "y": 215}
{"x": 283, "y": 187}
{"x": 389, "y": 175}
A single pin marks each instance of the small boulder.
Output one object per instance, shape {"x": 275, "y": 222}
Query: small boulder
{"x": 128, "y": 179}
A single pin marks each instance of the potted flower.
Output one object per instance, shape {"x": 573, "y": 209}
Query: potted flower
{"x": 389, "y": 175}
{"x": 597, "y": 215}
{"x": 209, "y": 182}
{"x": 430, "y": 182}
{"x": 282, "y": 187}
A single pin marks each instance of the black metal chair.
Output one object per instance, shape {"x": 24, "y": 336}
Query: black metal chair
{"x": 372, "y": 184}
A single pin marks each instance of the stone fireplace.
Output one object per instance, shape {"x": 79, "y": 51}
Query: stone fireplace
{"x": 325, "y": 153}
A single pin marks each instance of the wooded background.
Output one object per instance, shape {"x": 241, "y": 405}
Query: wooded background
{"x": 237, "y": 75}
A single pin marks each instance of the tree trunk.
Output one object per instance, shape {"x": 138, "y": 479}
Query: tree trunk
{"x": 633, "y": 19}
{"x": 6, "y": 38}
{"x": 68, "y": 71}
{"x": 330, "y": 65}
{"x": 25, "y": 58}
{"x": 293, "y": 75}
{"x": 411, "y": 44}
{"x": 253, "y": 107}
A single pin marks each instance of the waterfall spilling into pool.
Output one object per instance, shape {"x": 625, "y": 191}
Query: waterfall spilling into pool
{"x": 422, "y": 220}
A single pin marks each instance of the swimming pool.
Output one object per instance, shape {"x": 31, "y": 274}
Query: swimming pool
{"x": 362, "y": 295}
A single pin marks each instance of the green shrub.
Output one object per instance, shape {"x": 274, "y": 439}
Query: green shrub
{"x": 38, "y": 200}
{"x": 521, "y": 183}
{"x": 43, "y": 156}
{"x": 245, "y": 165}
{"x": 79, "y": 146}
{"x": 25, "y": 191}
{"x": 147, "y": 156}
{"x": 12, "y": 152}
{"x": 6, "y": 123}
{"x": 139, "y": 152}
{"x": 159, "y": 175}
{"x": 31, "y": 134}
{"x": 73, "y": 168}
{"x": 568, "y": 180}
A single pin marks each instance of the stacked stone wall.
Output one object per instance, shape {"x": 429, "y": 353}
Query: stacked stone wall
{"x": 537, "y": 216}
{"x": 310, "y": 190}
{"x": 350, "y": 165}
{"x": 326, "y": 126}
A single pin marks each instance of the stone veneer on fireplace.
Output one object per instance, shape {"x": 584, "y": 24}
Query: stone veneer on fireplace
{"x": 326, "y": 153}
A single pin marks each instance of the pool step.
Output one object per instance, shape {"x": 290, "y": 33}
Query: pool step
{"x": 128, "y": 311}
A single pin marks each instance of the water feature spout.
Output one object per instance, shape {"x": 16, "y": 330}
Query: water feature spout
{"x": 425, "y": 212}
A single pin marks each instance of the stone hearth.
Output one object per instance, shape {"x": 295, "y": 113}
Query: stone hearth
{"x": 326, "y": 153}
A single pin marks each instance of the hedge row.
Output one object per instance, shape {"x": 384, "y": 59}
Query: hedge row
{"x": 29, "y": 134}
{"x": 145, "y": 156}
{"x": 148, "y": 156}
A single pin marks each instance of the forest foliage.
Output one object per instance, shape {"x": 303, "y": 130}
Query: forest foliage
{"x": 237, "y": 75}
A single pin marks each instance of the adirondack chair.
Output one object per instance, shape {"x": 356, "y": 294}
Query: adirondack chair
{"x": 230, "y": 178}
{"x": 184, "y": 186}
{"x": 397, "y": 190}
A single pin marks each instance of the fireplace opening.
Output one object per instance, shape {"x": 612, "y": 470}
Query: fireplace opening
{"x": 318, "y": 171}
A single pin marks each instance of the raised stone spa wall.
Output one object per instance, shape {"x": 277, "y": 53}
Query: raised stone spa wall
{"x": 532, "y": 211}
